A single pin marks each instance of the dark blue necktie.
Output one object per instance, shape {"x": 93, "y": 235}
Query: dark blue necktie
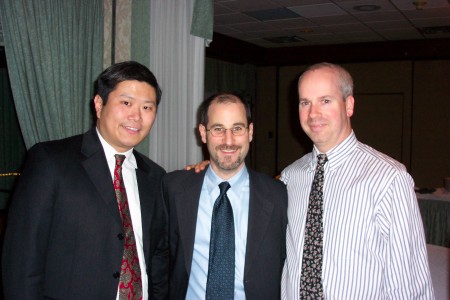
{"x": 220, "y": 284}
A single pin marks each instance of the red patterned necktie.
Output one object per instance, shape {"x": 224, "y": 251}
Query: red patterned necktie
{"x": 311, "y": 279}
{"x": 130, "y": 286}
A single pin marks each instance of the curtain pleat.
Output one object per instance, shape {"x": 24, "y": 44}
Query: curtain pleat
{"x": 177, "y": 60}
{"x": 54, "y": 51}
{"x": 225, "y": 76}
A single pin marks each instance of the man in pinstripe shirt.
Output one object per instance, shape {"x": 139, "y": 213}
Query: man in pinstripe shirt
{"x": 373, "y": 239}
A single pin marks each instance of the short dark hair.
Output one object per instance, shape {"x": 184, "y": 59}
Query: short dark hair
{"x": 127, "y": 70}
{"x": 223, "y": 97}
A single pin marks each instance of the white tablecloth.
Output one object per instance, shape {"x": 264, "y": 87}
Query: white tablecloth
{"x": 438, "y": 194}
{"x": 439, "y": 261}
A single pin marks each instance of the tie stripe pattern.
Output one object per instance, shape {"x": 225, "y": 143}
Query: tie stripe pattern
{"x": 311, "y": 278}
{"x": 130, "y": 286}
{"x": 220, "y": 282}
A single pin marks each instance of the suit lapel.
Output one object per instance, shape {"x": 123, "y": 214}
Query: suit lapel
{"x": 187, "y": 202}
{"x": 147, "y": 189}
{"x": 98, "y": 172}
{"x": 260, "y": 211}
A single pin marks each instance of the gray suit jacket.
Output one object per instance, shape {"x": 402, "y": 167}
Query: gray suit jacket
{"x": 266, "y": 248}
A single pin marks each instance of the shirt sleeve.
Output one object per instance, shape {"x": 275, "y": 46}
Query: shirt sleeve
{"x": 407, "y": 274}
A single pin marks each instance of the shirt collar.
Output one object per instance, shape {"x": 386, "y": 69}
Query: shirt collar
{"x": 110, "y": 152}
{"x": 338, "y": 153}
{"x": 236, "y": 182}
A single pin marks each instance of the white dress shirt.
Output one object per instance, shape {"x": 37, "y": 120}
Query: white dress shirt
{"x": 373, "y": 244}
{"x": 129, "y": 167}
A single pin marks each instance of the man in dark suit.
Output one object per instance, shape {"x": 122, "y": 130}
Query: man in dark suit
{"x": 259, "y": 220}
{"x": 65, "y": 237}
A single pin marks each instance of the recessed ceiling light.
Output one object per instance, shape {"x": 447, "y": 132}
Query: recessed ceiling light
{"x": 367, "y": 7}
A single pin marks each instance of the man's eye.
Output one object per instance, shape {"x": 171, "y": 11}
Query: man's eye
{"x": 303, "y": 103}
{"x": 126, "y": 103}
{"x": 237, "y": 129}
{"x": 218, "y": 129}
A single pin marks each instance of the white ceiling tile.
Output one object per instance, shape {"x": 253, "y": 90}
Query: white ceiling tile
{"x": 428, "y": 13}
{"x": 380, "y": 16}
{"x": 348, "y": 28}
{"x": 291, "y": 23}
{"x": 390, "y": 25}
{"x": 235, "y": 18}
{"x": 335, "y": 21}
{"x": 431, "y": 22}
{"x": 409, "y": 5}
{"x": 349, "y": 6}
{"x": 318, "y": 10}
{"x": 252, "y": 26}
{"x": 405, "y": 34}
{"x": 310, "y": 31}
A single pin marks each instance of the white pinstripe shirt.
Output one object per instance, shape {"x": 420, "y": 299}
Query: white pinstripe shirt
{"x": 374, "y": 245}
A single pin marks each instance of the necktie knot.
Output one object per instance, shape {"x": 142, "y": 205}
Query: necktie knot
{"x": 224, "y": 186}
{"x": 322, "y": 159}
{"x": 119, "y": 159}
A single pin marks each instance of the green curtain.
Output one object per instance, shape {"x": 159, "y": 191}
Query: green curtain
{"x": 203, "y": 20}
{"x": 54, "y": 51}
{"x": 224, "y": 76}
{"x": 140, "y": 44}
{"x": 11, "y": 143}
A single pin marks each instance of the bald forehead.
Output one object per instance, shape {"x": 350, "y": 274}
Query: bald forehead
{"x": 323, "y": 70}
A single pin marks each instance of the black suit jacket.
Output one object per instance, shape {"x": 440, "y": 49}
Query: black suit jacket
{"x": 62, "y": 237}
{"x": 266, "y": 248}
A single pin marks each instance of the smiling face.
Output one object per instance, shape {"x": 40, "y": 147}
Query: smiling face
{"x": 324, "y": 114}
{"x": 228, "y": 152}
{"x": 128, "y": 115}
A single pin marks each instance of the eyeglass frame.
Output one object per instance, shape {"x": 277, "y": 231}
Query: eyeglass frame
{"x": 223, "y": 131}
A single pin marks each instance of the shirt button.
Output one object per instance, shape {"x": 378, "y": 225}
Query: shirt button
{"x": 116, "y": 275}
{"x": 120, "y": 236}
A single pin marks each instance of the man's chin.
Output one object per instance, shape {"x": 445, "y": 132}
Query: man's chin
{"x": 230, "y": 166}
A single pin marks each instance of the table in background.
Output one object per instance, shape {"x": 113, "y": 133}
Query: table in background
{"x": 435, "y": 211}
{"x": 439, "y": 262}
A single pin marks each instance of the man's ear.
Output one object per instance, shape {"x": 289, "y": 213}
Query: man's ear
{"x": 98, "y": 104}
{"x": 250, "y": 132}
{"x": 203, "y": 132}
{"x": 349, "y": 105}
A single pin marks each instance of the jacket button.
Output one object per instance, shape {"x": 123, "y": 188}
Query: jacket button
{"x": 120, "y": 236}
{"x": 116, "y": 275}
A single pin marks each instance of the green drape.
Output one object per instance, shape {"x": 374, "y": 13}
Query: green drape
{"x": 203, "y": 20}
{"x": 54, "y": 51}
{"x": 140, "y": 43}
{"x": 224, "y": 76}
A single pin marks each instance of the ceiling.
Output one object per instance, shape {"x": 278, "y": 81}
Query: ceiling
{"x": 283, "y": 23}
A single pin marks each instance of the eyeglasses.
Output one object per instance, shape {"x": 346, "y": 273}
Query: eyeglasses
{"x": 220, "y": 131}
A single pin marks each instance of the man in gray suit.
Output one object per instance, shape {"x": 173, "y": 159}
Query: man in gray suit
{"x": 259, "y": 205}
